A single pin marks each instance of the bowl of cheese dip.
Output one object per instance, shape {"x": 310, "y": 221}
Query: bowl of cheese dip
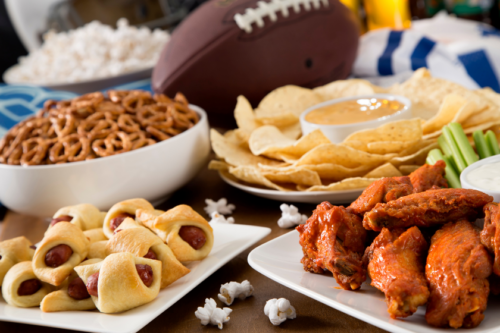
{"x": 340, "y": 117}
{"x": 483, "y": 176}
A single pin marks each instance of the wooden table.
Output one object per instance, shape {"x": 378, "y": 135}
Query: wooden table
{"x": 248, "y": 315}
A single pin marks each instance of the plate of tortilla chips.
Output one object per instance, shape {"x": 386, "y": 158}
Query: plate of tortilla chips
{"x": 268, "y": 156}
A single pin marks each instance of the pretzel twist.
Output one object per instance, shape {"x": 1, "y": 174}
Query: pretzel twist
{"x": 114, "y": 143}
{"x": 93, "y": 126}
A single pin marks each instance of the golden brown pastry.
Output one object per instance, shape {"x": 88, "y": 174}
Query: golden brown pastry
{"x": 121, "y": 281}
{"x": 84, "y": 216}
{"x": 188, "y": 234}
{"x": 95, "y": 235}
{"x": 73, "y": 296}
{"x": 143, "y": 243}
{"x": 121, "y": 211}
{"x": 21, "y": 287}
{"x": 13, "y": 251}
{"x": 63, "y": 247}
{"x": 97, "y": 250}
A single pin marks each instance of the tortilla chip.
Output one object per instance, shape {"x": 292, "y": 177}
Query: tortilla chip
{"x": 252, "y": 175}
{"x": 402, "y": 130}
{"x": 218, "y": 165}
{"x": 449, "y": 110}
{"x": 235, "y": 154}
{"x": 270, "y": 142}
{"x": 482, "y": 117}
{"x": 427, "y": 92}
{"x": 297, "y": 176}
{"x": 245, "y": 117}
{"x": 407, "y": 169}
{"x": 286, "y": 100}
{"x": 335, "y": 172}
{"x": 386, "y": 170}
{"x": 342, "y": 155}
{"x": 346, "y": 184}
{"x": 389, "y": 147}
{"x": 417, "y": 158}
{"x": 347, "y": 88}
{"x": 359, "y": 145}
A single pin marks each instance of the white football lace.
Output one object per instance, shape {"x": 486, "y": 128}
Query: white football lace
{"x": 256, "y": 15}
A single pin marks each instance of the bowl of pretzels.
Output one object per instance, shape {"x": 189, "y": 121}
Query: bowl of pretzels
{"x": 101, "y": 148}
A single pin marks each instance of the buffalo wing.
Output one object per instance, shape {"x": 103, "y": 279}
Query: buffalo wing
{"x": 382, "y": 190}
{"x": 396, "y": 267}
{"x": 490, "y": 236}
{"x": 457, "y": 269}
{"x": 333, "y": 239}
{"x": 426, "y": 209}
{"x": 429, "y": 177}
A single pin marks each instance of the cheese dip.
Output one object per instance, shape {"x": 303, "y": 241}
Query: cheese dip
{"x": 486, "y": 177}
{"x": 354, "y": 111}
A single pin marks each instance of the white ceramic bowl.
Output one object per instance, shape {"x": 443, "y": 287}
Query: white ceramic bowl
{"x": 337, "y": 133}
{"x": 466, "y": 183}
{"x": 152, "y": 172}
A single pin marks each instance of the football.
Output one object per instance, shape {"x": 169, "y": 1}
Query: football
{"x": 227, "y": 48}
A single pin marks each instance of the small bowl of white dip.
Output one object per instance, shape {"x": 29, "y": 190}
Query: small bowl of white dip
{"x": 483, "y": 176}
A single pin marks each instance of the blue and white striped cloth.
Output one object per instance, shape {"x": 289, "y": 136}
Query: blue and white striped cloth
{"x": 469, "y": 56}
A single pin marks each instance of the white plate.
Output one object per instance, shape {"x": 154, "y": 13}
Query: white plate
{"x": 279, "y": 260}
{"x": 230, "y": 240}
{"x": 338, "y": 197}
{"x": 84, "y": 87}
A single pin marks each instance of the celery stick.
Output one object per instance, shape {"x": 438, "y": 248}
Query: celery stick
{"x": 444, "y": 145}
{"x": 451, "y": 175}
{"x": 463, "y": 143}
{"x": 481, "y": 146}
{"x": 491, "y": 139}
{"x": 455, "y": 152}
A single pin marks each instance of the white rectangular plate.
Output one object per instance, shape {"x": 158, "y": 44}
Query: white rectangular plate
{"x": 279, "y": 260}
{"x": 229, "y": 241}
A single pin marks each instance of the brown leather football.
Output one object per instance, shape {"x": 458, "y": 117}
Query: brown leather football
{"x": 228, "y": 48}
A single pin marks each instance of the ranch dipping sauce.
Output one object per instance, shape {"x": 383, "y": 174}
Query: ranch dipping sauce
{"x": 486, "y": 177}
{"x": 354, "y": 111}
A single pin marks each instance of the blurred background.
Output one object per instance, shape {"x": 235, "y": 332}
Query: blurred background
{"x": 24, "y": 22}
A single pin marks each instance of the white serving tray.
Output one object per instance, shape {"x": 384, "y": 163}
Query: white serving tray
{"x": 230, "y": 240}
{"x": 279, "y": 260}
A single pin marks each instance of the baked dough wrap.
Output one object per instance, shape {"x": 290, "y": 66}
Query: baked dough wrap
{"x": 120, "y": 288}
{"x": 128, "y": 206}
{"x": 97, "y": 250}
{"x": 168, "y": 225}
{"x": 95, "y": 235}
{"x": 19, "y": 273}
{"x": 13, "y": 251}
{"x": 61, "y": 233}
{"x": 60, "y": 300}
{"x": 85, "y": 216}
{"x": 138, "y": 241}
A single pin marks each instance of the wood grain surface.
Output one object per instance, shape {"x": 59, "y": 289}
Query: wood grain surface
{"x": 248, "y": 315}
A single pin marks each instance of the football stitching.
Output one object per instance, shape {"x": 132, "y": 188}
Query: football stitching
{"x": 270, "y": 9}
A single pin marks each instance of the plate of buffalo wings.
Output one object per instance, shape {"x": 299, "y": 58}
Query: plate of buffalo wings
{"x": 409, "y": 242}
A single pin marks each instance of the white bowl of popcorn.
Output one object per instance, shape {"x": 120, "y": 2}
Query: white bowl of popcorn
{"x": 93, "y": 57}
{"x": 152, "y": 173}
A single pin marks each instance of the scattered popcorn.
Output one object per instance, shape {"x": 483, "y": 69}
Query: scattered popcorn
{"x": 93, "y": 51}
{"x": 290, "y": 216}
{"x": 220, "y": 207}
{"x": 279, "y": 310}
{"x": 212, "y": 314}
{"x": 232, "y": 290}
{"x": 218, "y": 218}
